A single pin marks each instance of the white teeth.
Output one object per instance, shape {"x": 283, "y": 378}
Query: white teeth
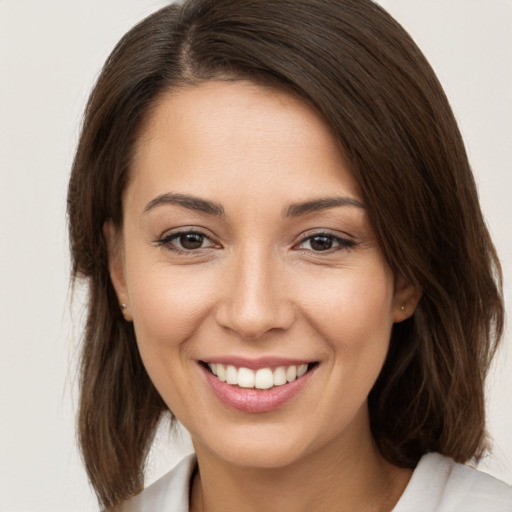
{"x": 291, "y": 373}
{"x": 264, "y": 378}
{"x": 231, "y": 374}
{"x": 280, "y": 376}
{"x": 301, "y": 370}
{"x": 245, "y": 378}
{"x": 221, "y": 372}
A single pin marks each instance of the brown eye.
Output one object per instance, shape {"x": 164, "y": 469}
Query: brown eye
{"x": 191, "y": 241}
{"x": 325, "y": 242}
{"x": 186, "y": 241}
{"x": 321, "y": 243}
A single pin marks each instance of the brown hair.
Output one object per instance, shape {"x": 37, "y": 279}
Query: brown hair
{"x": 365, "y": 76}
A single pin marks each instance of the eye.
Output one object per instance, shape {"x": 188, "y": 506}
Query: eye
{"x": 186, "y": 241}
{"x": 190, "y": 241}
{"x": 323, "y": 242}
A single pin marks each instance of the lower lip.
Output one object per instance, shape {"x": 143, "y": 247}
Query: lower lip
{"x": 256, "y": 400}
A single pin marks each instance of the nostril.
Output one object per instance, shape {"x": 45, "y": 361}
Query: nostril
{"x": 252, "y": 323}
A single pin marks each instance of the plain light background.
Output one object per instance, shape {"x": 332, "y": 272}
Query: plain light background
{"x": 50, "y": 55}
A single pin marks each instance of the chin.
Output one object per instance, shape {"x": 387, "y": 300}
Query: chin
{"x": 259, "y": 455}
{"x": 260, "y": 446}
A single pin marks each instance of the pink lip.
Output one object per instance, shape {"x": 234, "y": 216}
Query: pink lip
{"x": 256, "y": 400}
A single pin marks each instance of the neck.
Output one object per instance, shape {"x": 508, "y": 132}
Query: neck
{"x": 342, "y": 477}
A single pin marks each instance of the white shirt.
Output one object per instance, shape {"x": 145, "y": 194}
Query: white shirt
{"x": 438, "y": 484}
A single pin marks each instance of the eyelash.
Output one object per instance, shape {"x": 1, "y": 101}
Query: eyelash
{"x": 167, "y": 241}
{"x": 341, "y": 242}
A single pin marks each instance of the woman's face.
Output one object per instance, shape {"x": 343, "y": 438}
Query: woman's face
{"x": 246, "y": 246}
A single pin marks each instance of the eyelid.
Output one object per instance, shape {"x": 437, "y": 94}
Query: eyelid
{"x": 183, "y": 229}
{"x": 344, "y": 240}
{"x": 168, "y": 236}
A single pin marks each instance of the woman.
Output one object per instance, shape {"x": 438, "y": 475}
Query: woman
{"x": 273, "y": 208}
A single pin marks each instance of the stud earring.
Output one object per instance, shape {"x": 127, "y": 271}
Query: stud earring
{"x": 402, "y": 307}
{"x": 123, "y": 306}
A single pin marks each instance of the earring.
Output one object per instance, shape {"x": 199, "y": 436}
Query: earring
{"x": 402, "y": 307}
{"x": 126, "y": 314}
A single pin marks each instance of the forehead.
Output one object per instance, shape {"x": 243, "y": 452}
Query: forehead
{"x": 220, "y": 133}
{"x": 234, "y": 94}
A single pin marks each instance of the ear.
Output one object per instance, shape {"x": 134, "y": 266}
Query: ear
{"x": 116, "y": 267}
{"x": 405, "y": 300}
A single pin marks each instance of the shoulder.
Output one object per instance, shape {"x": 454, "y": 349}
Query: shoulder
{"x": 170, "y": 492}
{"x": 439, "y": 484}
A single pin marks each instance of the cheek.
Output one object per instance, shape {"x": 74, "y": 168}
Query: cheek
{"x": 168, "y": 304}
{"x": 351, "y": 305}
{"x": 167, "y": 307}
{"x": 353, "y": 313}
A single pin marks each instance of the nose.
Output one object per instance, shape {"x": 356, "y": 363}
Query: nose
{"x": 255, "y": 299}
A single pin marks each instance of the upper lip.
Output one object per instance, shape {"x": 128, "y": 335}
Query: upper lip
{"x": 257, "y": 363}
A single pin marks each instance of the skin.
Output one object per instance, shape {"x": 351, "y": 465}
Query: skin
{"x": 258, "y": 286}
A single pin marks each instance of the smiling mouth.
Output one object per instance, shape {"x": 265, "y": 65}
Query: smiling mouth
{"x": 263, "y": 378}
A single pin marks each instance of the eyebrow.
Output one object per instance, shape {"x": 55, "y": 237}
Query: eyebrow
{"x": 190, "y": 202}
{"x": 211, "y": 208}
{"x": 298, "y": 209}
